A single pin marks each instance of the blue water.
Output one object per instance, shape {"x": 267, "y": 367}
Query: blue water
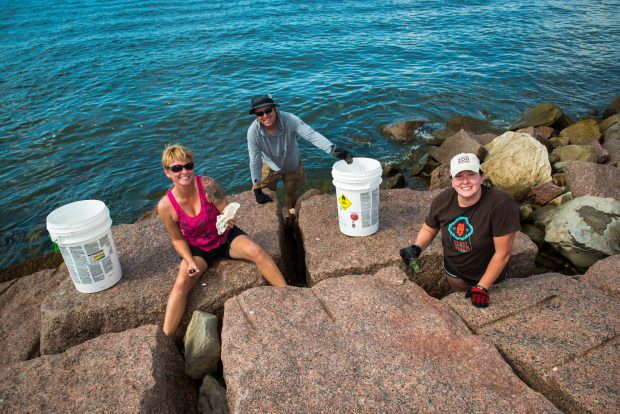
{"x": 92, "y": 91}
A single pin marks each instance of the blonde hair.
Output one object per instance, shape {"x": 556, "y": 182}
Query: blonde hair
{"x": 175, "y": 152}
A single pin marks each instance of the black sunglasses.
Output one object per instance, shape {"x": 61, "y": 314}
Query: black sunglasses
{"x": 179, "y": 167}
{"x": 261, "y": 113}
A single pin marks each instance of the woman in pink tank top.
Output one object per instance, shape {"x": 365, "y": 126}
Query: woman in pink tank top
{"x": 189, "y": 211}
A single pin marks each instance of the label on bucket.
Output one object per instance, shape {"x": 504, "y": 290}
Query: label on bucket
{"x": 358, "y": 212}
{"x": 90, "y": 262}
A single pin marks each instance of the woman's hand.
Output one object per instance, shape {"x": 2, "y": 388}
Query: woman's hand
{"x": 192, "y": 269}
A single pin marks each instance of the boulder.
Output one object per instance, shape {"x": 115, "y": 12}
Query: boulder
{"x": 557, "y": 334}
{"x": 586, "y": 178}
{"x": 401, "y": 213}
{"x": 613, "y": 148}
{"x": 136, "y": 371}
{"x": 604, "y": 275}
{"x": 585, "y": 229}
{"x": 440, "y": 178}
{"x": 546, "y": 192}
{"x": 612, "y": 133}
{"x": 541, "y": 134}
{"x": 394, "y": 181}
{"x": 516, "y": 163}
{"x": 561, "y": 155}
{"x": 20, "y": 303}
{"x": 401, "y": 131}
{"x": 583, "y": 132}
{"x": 212, "y": 397}
{"x": 604, "y": 124}
{"x": 474, "y": 125}
{"x": 456, "y": 144}
{"x": 361, "y": 344}
{"x": 544, "y": 114}
{"x": 150, "y": 266}
{"x": 613, "y": 108}
{"x": 202, "y": 345}
{"x": 602, "y": 154}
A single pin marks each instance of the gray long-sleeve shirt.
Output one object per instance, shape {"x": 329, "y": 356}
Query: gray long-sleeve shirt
{"x": 280, "y": 151}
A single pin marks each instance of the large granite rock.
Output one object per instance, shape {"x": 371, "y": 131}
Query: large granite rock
{"x": 136, "y": 371}
{"x": 20, "y": 303}
{"x": 456, "y": 144}
{"x": 585, "y": 229}
{"x": 150, "y": 266}
{"x": 401, "y": 131}
{"x": 613, "y": 108}
{"x": 582, "y": 132}
{"x": 613, "y": 147}
{"x": 604, "y": 275}
{"x": 544, "y": 114}
{"x": 516, "y": 162}
{"x": 598, "y": 180}
{"x": 330, "y": 253}
{"x": 475, "y": 126}
{"x": 361, "y": 344}
{"x": 560, "y": 336}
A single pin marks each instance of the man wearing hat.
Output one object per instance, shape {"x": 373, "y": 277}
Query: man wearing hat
{"x": 274, "y": 152}
{"x": 478, "y": 226}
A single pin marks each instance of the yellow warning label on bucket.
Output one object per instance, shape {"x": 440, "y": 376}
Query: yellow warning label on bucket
{"x": 344, "y": 202}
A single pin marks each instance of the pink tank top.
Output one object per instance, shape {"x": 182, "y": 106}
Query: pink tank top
{"x": 199, "y": 231}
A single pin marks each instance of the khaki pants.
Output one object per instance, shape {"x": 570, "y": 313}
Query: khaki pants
{"x": 292, "y": 181}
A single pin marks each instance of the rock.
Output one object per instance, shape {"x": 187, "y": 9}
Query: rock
{"x": 212, "y": 397}
{"x": 540, "y": 134}
{"x": 401, "y": 131}
{"x": 585, "y": 230}
{"x": 561, "y": 199}
{"x": 48, "y": 261}
{"x": 136, "y": 371}
{"x": 395, "y": 181}
{"x": 418, "y": 159}
{"x": 607, "y": 122}
{"x": 602, "y": 155}
{"x": 516, "y": 163}
{"x": 612, "y": 133}
{"x": 598, "y": 180}
{"x": 534, "y": 233}
{"x": 440, "y": 178}
{"x": 474, "y": 125}
{"x": 559, "y": 141}
{"x": 202, "y": 345}
{"x": 544, "y": 114}
{"x": 572, "y": 153}
{"x": 456, "y": 144}
{"x": 604, "y": 275}
{"x": 613, "y": 147}
{"x": 582, "y": 132}
{"x": 150, "y": 266}
{"x": 20, "y": 303}
{"x": 401, "y": 212}
{"x": 546, "y": 192}
{"x": 613, "y": 108}
{"x": 558, "y": 336}
{"x": 361, "y": 344}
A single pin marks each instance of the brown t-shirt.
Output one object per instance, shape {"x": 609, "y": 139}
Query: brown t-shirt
{"x": 467, "y": 233}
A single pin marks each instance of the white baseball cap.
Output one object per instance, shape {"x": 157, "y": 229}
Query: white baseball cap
{"x": 464, "y": 162}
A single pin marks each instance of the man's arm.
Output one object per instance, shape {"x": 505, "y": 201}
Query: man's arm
{"x": 256, "y": 161}
{"x": 503, "y": 250}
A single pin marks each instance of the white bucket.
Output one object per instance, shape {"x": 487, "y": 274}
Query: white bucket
{"x": 82, "y": 232}
{"x": 357, "y": 195}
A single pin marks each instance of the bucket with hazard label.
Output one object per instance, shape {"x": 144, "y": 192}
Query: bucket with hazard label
{"x": 357, "y": 195}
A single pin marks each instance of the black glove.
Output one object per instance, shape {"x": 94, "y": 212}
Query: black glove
{"x": 410, "y": 256}
{"x": 261, "y": 198}
{"x": 343, "y": 154}
{"x": 479, "y": 296}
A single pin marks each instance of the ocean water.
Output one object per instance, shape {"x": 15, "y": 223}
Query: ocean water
{"x": 92, "y": 91}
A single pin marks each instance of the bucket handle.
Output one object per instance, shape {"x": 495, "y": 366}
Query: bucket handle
{"x": 55, "y": 248}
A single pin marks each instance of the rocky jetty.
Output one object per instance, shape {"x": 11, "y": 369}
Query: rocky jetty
{"x": 356, "y": 333}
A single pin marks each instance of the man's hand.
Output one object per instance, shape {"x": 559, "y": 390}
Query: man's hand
{"x": 479, "y": 296}
{"x": 261, "y": 198}
{"x": 343, "y": 154}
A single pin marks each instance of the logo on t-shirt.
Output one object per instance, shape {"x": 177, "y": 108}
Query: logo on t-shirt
{"x": 460, "y": 232}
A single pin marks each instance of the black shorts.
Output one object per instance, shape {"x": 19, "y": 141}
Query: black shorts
{"x": 222, "y": 251}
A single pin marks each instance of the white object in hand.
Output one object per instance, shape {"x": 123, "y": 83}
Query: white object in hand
{"x": 228, "y": 214}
